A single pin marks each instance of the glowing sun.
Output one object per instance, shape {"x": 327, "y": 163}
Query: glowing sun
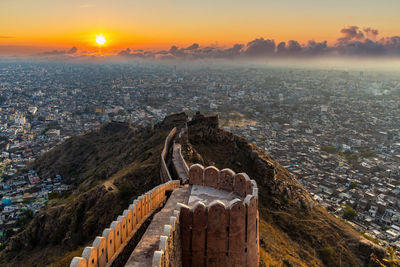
{"x": 100, "y": 39}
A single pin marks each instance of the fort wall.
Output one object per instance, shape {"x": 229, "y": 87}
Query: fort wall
{"x": 106, "y": 248}
{"x": 215, "y": 234}
{"x": 164, "y": 172}
{"x": 170, "y": 244}
{"x": 218, "y": 233}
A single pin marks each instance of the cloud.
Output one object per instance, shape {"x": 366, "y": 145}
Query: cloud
{"x": 73, "y": 50}
{"x": 353, "y": 42}
{"x": 351, "y": 33}
{"x": 192, "y": 47}
{"x": 371, "y": 33}
{"x": 194, "y": 51}
{"x": 294, "y": 48}
{"x": 367, "y": 48}
{"x": 314, "y": 48}
{"x": 6, "y": 37}
{"x": 233, "y": 52}
{"x": 128, "y": 53}
{"x": 281, "y": 48}
{"x": 392, "y": 44}
{"x": 260, "y": 47}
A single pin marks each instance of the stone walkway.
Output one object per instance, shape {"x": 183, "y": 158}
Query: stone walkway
{"x": 143, "y": 253}
{"x": 181, "y": 170}
{"x": 208, "y": 194}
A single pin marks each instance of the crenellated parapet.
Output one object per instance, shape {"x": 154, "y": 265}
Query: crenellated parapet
{"x": 224, "y": 179}
{"x": 212, "y": 231}
{"x": 167, "y": 253}
{"x": 106, "y": 248}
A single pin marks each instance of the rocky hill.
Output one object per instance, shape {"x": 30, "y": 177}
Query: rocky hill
{"x": 111, "y": 166}
{"x": 108, "y": 168}
{"x": 294, "y": 230}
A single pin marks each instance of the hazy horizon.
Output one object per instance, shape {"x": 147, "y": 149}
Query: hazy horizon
{"x": 180, "y": 29}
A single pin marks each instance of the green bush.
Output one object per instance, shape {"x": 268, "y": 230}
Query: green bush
{"x": 353, "y": 185}
{"x": 367, "y": 154}
{"x": 349, "y": 213}
{"x": 329, "y": 149}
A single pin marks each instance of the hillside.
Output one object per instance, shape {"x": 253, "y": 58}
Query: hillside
{"x": 108, "y": 168}
{"x": 294, "y": 230}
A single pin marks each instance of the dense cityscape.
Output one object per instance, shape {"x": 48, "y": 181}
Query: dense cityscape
{"x": 337, "y": 131}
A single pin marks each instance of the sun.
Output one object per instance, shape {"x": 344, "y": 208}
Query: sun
{"x": 100, "y": 39}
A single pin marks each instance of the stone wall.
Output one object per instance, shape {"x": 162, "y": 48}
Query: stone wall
{"x": 169, "y": 247}
{"x": 164, "y": 172}
{"x": 215, "y": 234}
{"x": 110, "y": 244}
{"x": 221, "y": 234}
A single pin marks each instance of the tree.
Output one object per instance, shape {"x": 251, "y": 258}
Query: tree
{"x": 349, "y": 213}
{"x": 353, "y": 185}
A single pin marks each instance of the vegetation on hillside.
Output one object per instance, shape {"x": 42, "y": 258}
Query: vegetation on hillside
{"x": 294, "y": 231}
{"x": 107, "y": 168}
{"x": 349, "y": 213}
{"x": 392, "y": 261}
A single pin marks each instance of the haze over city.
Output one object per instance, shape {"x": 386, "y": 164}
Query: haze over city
{"x": 171, "y": 133}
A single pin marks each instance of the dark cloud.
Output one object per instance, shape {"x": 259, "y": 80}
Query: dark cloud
{"x": 128, "y": 53}
{"x": 192, "y": 52}
{"x": 392, "y": 44}
{"x": 192, "y": 47}
{"x": 71, "y": 51}
{"x": 125, "y": 52}
{"x": 314, "y": 48}
{"x": 367, "y": 48}
{"x": 173, "y": 49}
{"x": 371, "y": 33}
{"x": 176, "y": 51}
{"x": 281, "y": 48}
{"x": 353, "y": 42}
{"x": 294, "y": 48}
{"x": 236, "y": 48}
{"x": 351, "y": 33}
{"x": 232, "y": 52}
{"x": 260, "y": 47}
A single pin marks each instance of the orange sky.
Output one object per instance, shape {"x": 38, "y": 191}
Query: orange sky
{"x": 155, "y": 24}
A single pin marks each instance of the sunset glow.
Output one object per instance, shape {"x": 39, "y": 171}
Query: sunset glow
{"x": 100, "y": 39}
{"x": 159, "y": 25}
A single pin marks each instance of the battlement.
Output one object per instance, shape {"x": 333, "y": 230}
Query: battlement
{"x": 218, "y": 225}
{"x": 210, "y": 221}
{"x": 110, "y": 244}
